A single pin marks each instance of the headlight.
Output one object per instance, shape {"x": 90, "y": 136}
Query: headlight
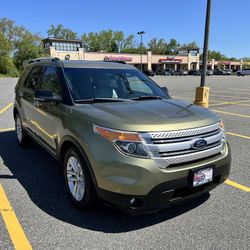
{"x": 129, "y": 143}
{"x": 222, "y": 125}
{"x": 223, "y": 130}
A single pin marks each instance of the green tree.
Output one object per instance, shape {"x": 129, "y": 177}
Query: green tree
{"x": 217, "y": 55}
{"x": 105, "y": 40}
{"x": 128, "y": 43}
{"x": 5, "y": 45}
{"x": 8, "y": 29}
{"x": 17, "y": 44}
{"x": 135, "y": 50}
{"x": 91, "y": 42}
{"x": 158, "y": 46}
{"x": 27, "y": 47}
{"x": 192, "y": 45}
{"x": 6, "y": 63}
{"x": 172, "y": 47}
{"x": 59, "y": 31}
{"x": 245, "y": 59}
{"x": 118, "y": 39}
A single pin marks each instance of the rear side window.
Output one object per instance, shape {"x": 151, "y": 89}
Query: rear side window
{"x": 34, "y": 79}
{"x": 50, "y": 80}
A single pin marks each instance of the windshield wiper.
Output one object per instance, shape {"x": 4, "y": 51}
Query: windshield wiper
{"x": 147, "y": 97}
{"x": 99, "y": 99}
{"x": 104, "y": 99}
{"x": 90, "y": 100}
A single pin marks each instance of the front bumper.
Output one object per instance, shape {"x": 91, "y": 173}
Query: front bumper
{"x": 175, "y": 189}
{"x": 164, "y": 195}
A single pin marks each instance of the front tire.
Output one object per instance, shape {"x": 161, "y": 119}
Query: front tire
{"x": 78, "y": 181}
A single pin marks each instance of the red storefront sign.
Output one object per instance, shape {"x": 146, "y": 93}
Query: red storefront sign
{"x": 117, "y": 58}
{"x": 170, "y": 60}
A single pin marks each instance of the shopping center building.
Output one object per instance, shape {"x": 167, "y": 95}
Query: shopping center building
{"x": 72, "y": 49}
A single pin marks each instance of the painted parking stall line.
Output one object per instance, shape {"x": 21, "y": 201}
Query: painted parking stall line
{"x": 229, "y": 113}
{"x": 6, "y": 129}
{"x": 13, "y": 226}
{"x": 228, "y": 91}
{"x": 232, "y": 102}
{"x": 7, "y": 107}
{"x": 237, "y": 185}
{"x": 189, "y": 98}
{"x": 238, "y": 135}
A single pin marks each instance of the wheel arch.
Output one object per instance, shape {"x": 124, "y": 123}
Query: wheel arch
{"x": 68, "y": 142}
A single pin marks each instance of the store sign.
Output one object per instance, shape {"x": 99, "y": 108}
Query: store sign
{"x": 117, "y": 59}
{"x": 170, "y": 60}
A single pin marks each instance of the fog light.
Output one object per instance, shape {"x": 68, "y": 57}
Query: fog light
{"x": 136, "y": 203}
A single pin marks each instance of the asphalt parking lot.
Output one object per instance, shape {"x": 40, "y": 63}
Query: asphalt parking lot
{"x": 36, "y": 212}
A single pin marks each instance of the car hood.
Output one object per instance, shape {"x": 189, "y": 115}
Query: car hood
{"x": 146, "y": 115}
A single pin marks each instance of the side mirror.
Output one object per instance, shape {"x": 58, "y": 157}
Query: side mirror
{"x": 46, "y": 96}
{"x": 165, "y": 90}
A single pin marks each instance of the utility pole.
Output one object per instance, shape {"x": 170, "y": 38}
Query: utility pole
{"x": 141, "y": 33}
{"x": 202, "y": 92}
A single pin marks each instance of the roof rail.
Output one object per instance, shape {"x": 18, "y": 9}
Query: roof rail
{"x": 41, "y": 59}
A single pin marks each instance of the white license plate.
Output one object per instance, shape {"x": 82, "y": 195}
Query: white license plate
{"x": 202, "y": 176}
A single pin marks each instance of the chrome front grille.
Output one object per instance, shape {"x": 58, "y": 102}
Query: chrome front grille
{"x": 176, "y": 147}
{"x": 182, "y": 133}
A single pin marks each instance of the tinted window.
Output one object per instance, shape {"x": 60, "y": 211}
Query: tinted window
{"x": 50, "y": 81}
{"x": 137, "y": 85}
{"x": 88, "y": 83}
{"x": 34, "y": 78}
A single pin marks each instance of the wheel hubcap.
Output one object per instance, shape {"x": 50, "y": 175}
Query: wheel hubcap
{"x": 75, "y": 178}
{"x": 19, "y": 130}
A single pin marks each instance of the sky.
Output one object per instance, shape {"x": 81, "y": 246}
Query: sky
{"x": 183, "y": 20}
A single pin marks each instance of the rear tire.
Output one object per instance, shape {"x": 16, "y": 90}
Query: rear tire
{"x": 22, "y": 137}
{"x": 78, "y": 181}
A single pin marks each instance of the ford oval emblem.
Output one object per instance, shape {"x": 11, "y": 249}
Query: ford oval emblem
{"x": 199, "y": 144}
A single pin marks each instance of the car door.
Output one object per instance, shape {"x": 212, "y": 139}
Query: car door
{"x": 31, "y": 83}
{"x": 49, "y": 115}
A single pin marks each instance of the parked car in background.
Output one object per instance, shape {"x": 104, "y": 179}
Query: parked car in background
{"x": 180, "y": 72}
{"x": 167, "y": 73}
{"x": 243, "y": 72}
{"x": 227, "y": 71}
{"x": 170, "y": 71}
{"x": 223, "y": 72}
{"x": 218, "y": 72}
{"x": 162, "y": 72}
{"x": 149, "y": 72}
{"x": 209, "y": 72}
{"x": 194, "y": 72}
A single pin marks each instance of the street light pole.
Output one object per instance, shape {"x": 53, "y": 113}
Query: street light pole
{"x": 141, "y": 33}
{"x": 205, "y": 46}
{"x": 202, "y": 92}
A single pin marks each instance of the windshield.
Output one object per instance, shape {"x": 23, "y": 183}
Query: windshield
{"x": 88, "y": 84}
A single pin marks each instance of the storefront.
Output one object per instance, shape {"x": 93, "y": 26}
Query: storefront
{"x": 72, "y": 49}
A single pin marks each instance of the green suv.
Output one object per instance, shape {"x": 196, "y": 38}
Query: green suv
{"x": 118, "y": 135}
